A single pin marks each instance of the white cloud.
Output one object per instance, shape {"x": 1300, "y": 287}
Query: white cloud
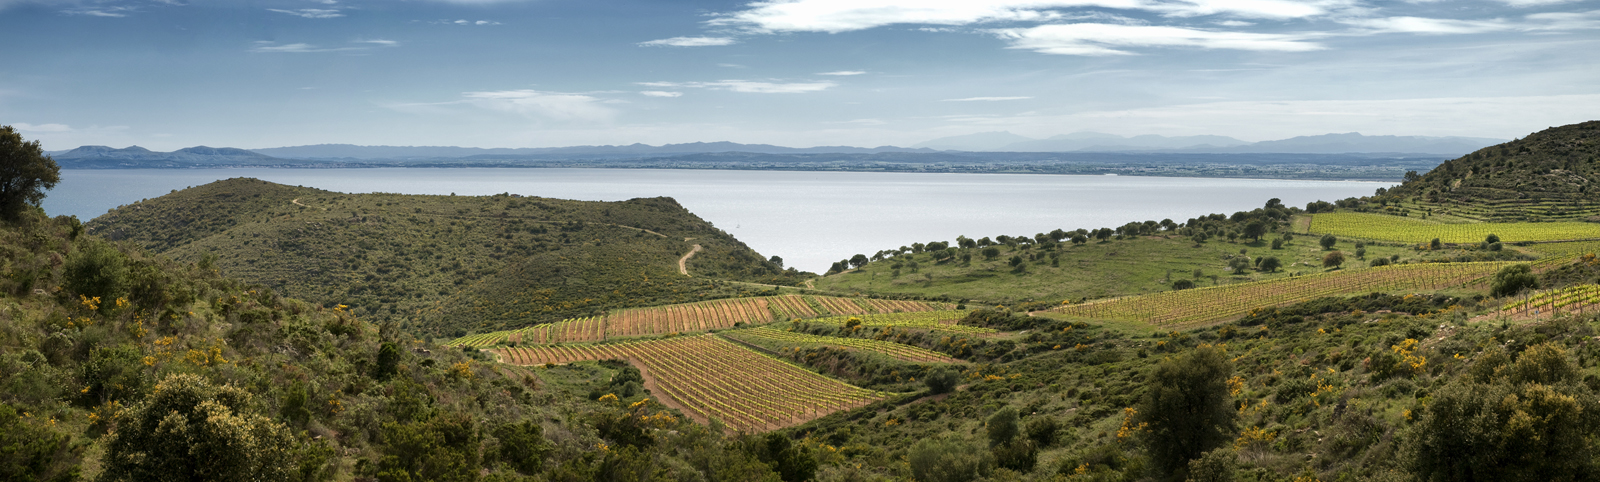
{"x": 551, "y": 105}
{"x": 834, "y": 16}
{"x": 689, "y": 42}
{"x": 1428, "y": 25}
{"x": 301, "y": 48}
{"x": 310, "y": 12}
{"x": 1534, "y": 3}
{"x": 1564, "y": 21}
{"x": 1106, "y": 39}
{"x": 660, "y": 93}
{"x": 111, "y": 12}
{"x": 986, "y": 99}
{"x": 40, "y": 128}
{"x": 843, "y": 72}
{"x": 748, "y": 86}
{"x": 1234, "y": 23}
{"x": 465, "y": 22}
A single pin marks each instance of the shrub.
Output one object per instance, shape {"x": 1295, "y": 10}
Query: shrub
{"x": 97, "y": 269}
{"x": 1512, "y": 280}
{"x": 189, "y": 429}
{"x": 1003, "y": 426}
{"x": 1187, "y": 408}
{"x": 948, "y": 459}
{"x": 942, "y": 380}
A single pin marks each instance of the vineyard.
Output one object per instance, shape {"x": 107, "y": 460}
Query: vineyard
{"x": 1201, "y": 306}
{"x": 1574, "y": 300}
{"x": 896, "y": 350}
{"x": 695, "y": 317}
{"x": 930, "y": 320}
{"x": 1409, "y": 230}
{"x": 709, "y": 377}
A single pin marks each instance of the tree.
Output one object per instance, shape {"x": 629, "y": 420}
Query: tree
{"x": 1512, "y": 280}
{"x": 388, "y": 361}
{"x": 1277, "y": 244}
{"x": 1003, "y": 426}
{"x": 189, "y": 429}
{"x": 858, "y": 260}
{"x": 1328, "y": 241}
{"x": 776, "y": 260}
{"x": 1435, "y": 244}
{"x": 1187, "y": 408}
{"x": 991, "y": 252}
{"x": 1270, "y": 264}
{"x": 522, "y": 446}
{"x": 25, "y": 174}
{"x": 1182, "y": 284}
{"x": 1255, "y": 229}
{"x": 96, "y": 269}
{"x": 1333, "y": 260}
{"x": 1491, "y": 239}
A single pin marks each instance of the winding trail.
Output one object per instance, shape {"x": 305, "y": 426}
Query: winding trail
{"x": 683, "y": 263}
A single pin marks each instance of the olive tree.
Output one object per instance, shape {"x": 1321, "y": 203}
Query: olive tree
{"x": 25, "y": 173}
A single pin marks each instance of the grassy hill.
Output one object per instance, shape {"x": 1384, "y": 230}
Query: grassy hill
{"x": 442, "y": 264}
{"x": 1547, "y": 175}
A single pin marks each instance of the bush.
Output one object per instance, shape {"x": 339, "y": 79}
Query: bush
{"x": 522, "y": 446}
{"x": 1043, "y": 430}
{"x": 1512, "y": 280}
{"x": 30, "y": 452}
{"x": 942, "y": 380}
{"x": 948, "y": 460}
{"x": 1327, "y": 241}
{"x": 1182, "y": 284}
{"x": 97, "y": 270}
{"x": 189, "y": 429}
{"x": 1003, "y": 426}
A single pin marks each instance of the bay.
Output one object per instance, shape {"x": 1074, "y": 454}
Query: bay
{"x": 810, "y": 219}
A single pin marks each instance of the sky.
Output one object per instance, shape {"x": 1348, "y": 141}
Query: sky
{"x": 167, "y": 74}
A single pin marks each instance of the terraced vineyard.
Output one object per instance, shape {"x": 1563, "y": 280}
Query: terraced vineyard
{"x": 695, "y": 317}
{"x": 706, "y": 376}
{"x": 1410, "y": 230}
{"x": 931, "y": 320}
{"x": 1575, "y": 300}
{"x": 1203, "y": 306}
{"x": 897, "y": 350}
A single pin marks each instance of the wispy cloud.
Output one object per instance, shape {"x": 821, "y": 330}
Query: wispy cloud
{"x": 1105, "y": 39}
{"x": 310, "y": 12}
{"x": 843, "y": 72}
{"x": 1428, "y": 25}
{"x": 834, "y": 16}
{"x": 538, "y": 104}
{"x": 750, "y": 86}
{"x": 1534, "y": 3}
{"x": 26, "y": 127}
{"x": 301, "y": 48}
{"x": 660, "y": 93}
{"x": 985, "y": 99}
{"x": 689, "y": 42}
{"x": 105, "y": 11}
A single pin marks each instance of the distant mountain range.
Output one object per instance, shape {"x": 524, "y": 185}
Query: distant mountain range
{"x": 989, "y": 144}
{"x": 1350, "y": 143}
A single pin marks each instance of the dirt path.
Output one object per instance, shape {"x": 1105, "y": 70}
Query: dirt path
{"x": 683, "y": 263}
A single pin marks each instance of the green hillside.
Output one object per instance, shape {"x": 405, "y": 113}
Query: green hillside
{"x": 442, "y": 264}
{"x": 1548, "y": 175}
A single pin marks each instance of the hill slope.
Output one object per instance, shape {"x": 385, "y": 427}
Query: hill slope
{"x": 1544, "y": 176}
{"x": 515, "y": 261}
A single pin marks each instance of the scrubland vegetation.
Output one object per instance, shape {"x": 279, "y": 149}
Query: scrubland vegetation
{"x": 129, "y": 353}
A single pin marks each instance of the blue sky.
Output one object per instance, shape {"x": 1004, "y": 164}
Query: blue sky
{"x": 533, "y": 73}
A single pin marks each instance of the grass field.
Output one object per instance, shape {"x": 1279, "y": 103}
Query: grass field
{"x": 1204, "y": 306}
{"x": 1412, "y": 230}
{"x": 1096, "y": 269}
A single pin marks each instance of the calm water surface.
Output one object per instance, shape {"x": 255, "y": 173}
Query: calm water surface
{"x": 810, "y": 219}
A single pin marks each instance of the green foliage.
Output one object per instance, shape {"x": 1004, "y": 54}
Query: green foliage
{"x": 941, "y": 381}
{"x": 522, "y": 446}
{"x": 794, "y": 463}
{"x": 948, "y": 459}
{"x": 1543, "y": 176}
{"x": 97, "y": 270}
{"x": 1215, "y": 466}
{"x": 189, "y": 429}
{"x": 388, "y": 361}
{"x": 1531, "y": 420}
{"x": 25, "y": 174}
{"x": 113, "y": 373}
{"x": 32, "y": 453}
{"x": 1512, "y": 280}
{"x": 1182, "y": 284}
{"x": 1003, "y": 426}
{"x": 1333, "y": 260}
{"x": 1187, "y": 407}
{"x": 446, "y": 447}
{"x": 1327, "y": 241}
